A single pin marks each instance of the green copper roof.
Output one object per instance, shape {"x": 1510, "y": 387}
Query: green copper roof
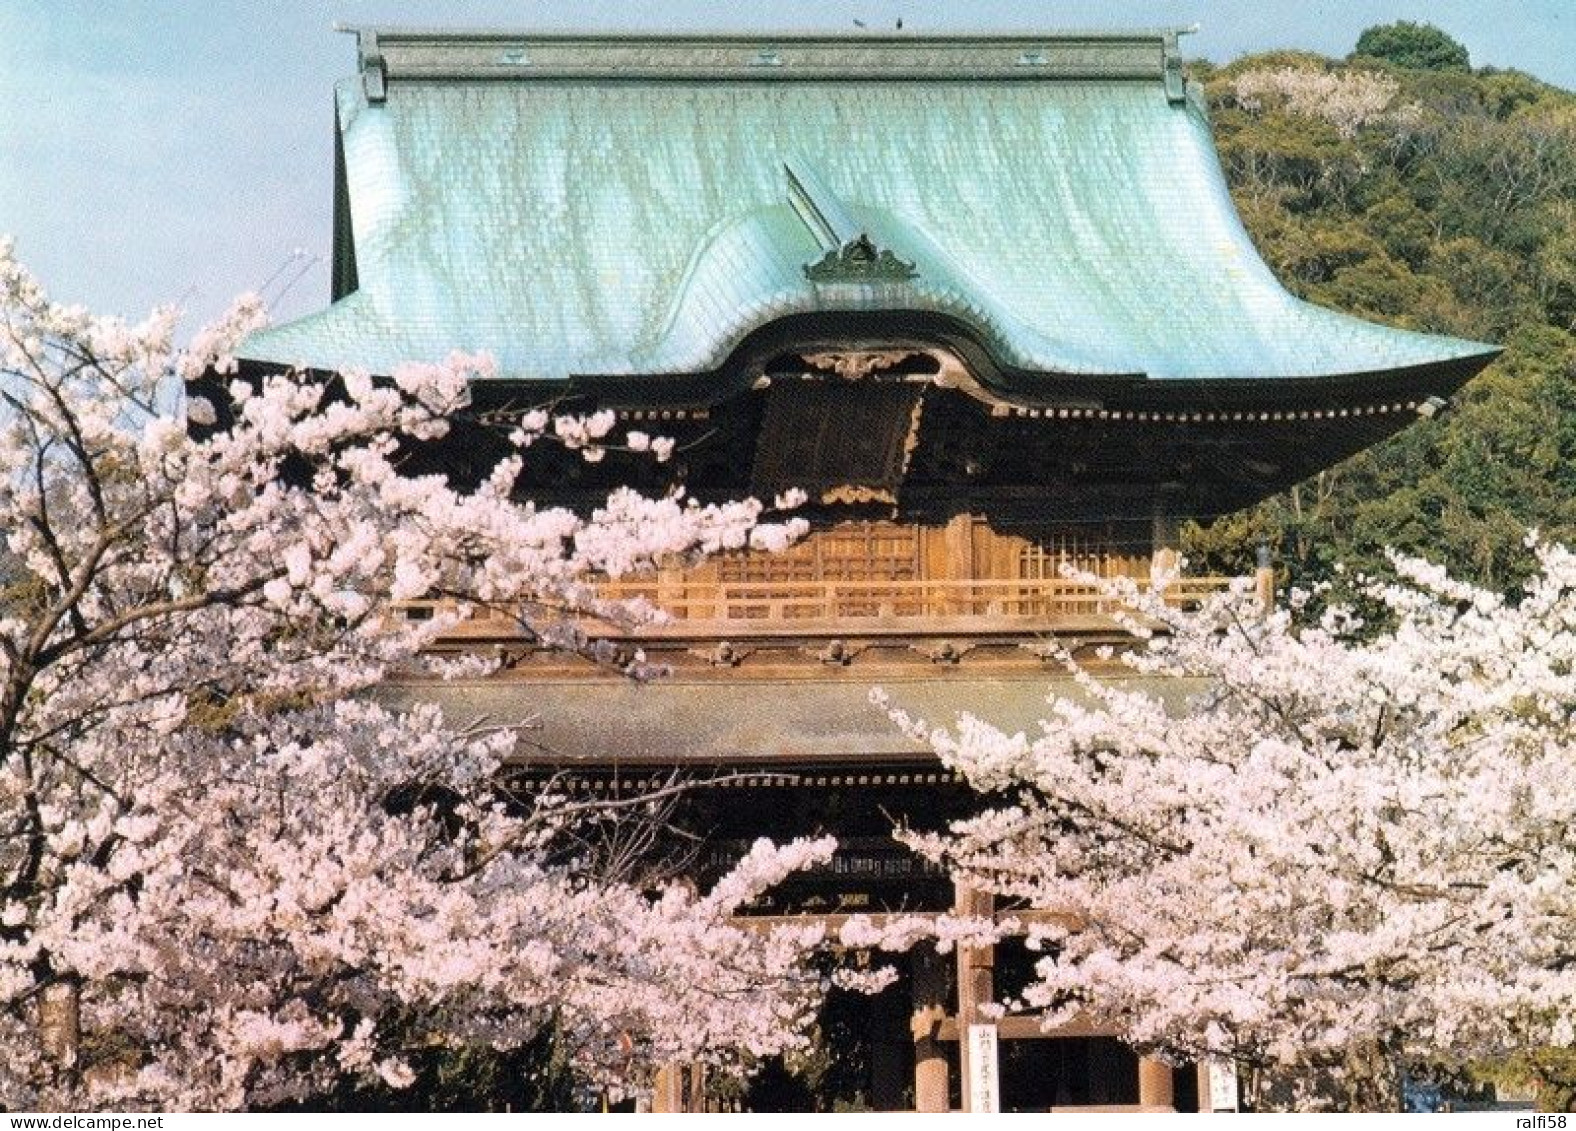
{"x": 624, "y": 207}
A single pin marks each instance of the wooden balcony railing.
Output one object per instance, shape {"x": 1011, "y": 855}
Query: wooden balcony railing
{"x": 852, "y": 607}
{"x": 886, "y": 600}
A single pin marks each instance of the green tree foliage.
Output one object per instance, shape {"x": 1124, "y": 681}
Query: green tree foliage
{"x": 1421, "y": 47}
{"x": 1453, "y": 210}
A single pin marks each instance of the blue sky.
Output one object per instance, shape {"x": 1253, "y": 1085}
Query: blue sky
{"x": 180, "y": 150}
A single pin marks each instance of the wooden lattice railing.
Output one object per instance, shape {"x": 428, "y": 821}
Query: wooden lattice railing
{"x": 886, "y": 600}
{"x": 853, "y": 606}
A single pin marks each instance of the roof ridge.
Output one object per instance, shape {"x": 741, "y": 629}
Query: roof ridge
{"x": 785, "y": 35}
{"x": 390, "y": 54}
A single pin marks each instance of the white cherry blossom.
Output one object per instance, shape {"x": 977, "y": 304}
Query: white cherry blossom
{"x": 1332, "y": 851}
{"x": 229, "y": 877}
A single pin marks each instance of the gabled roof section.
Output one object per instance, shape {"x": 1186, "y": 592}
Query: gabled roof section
{"x": 618, "y": 206}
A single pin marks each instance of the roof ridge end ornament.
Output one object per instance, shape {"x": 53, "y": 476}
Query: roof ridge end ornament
{"x": 1171, "y": 64}
{"x": 374, "y": 68}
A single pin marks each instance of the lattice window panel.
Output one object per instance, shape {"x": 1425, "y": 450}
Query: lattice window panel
{"x": 1044, "y": 560}
{"x": 861, "y": 551}
{"x": 798, "y": 563}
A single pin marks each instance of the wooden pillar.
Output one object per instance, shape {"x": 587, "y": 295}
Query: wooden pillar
{"x": 1203, "y": 1087}
{"x": 976, "y": 969}
{"x": 958, "y": 540}
{"x": 667, "y": 1092}
{"x": 60, "y": 1023}
{"x": 1156, "y": 1088}
{"x": 931, "y": 1083}
{"x": 1165, "y": 539}
{"x": 1264, "y": 580}
{"x": 1165, "y": 532}
{"x": 1164, "y": 563}
{"x": 670, "y": 587}
{"x": 1165, "y": 525}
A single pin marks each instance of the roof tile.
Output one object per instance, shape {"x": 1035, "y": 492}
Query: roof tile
{"x": 605, "y": 225}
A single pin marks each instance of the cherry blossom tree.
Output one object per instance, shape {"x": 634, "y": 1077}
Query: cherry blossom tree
{"x": 1330, "y": 848}
{"x": 230, "y": 878}
{"x": 1347, "y": 100}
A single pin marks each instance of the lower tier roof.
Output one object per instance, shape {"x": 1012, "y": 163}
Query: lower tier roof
{"x": 607, "y": 720}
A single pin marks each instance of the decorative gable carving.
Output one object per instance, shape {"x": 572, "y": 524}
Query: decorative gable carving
{"x": 860, "y": 261}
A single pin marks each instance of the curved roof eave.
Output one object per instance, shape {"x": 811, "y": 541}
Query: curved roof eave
{"x": 601, "y": 224}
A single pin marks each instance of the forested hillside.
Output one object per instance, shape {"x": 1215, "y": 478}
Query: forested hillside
{"x": 1402, "y": 186}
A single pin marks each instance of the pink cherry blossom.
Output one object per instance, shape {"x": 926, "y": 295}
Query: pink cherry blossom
{"x": 1329, "y": 848}
{"x": 230, "y": 876}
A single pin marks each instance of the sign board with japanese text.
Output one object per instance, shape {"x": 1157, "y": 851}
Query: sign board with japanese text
{"x": 984, "y": 1070}
{"x": 1222, "y": 1085}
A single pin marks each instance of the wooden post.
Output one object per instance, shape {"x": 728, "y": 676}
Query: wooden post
{"x": 959, "y": 542}
{"x": 670, "y": 590}
{"x": 1165, "y": 536}
{"x": 1156, "y": 1088}
{"x": 1165, "y": 529}
{"x": 1264, "y": 580}
{"x": 60, "y": 1023}
{"x": 976, "y": 965}
{"x": 1164, "y": 562}
{"x": 1204, "y": 1106}
{"x": 931, "y": 1083}
{"x": 667, "y": 1092}
{"x": 955, "y": 599}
